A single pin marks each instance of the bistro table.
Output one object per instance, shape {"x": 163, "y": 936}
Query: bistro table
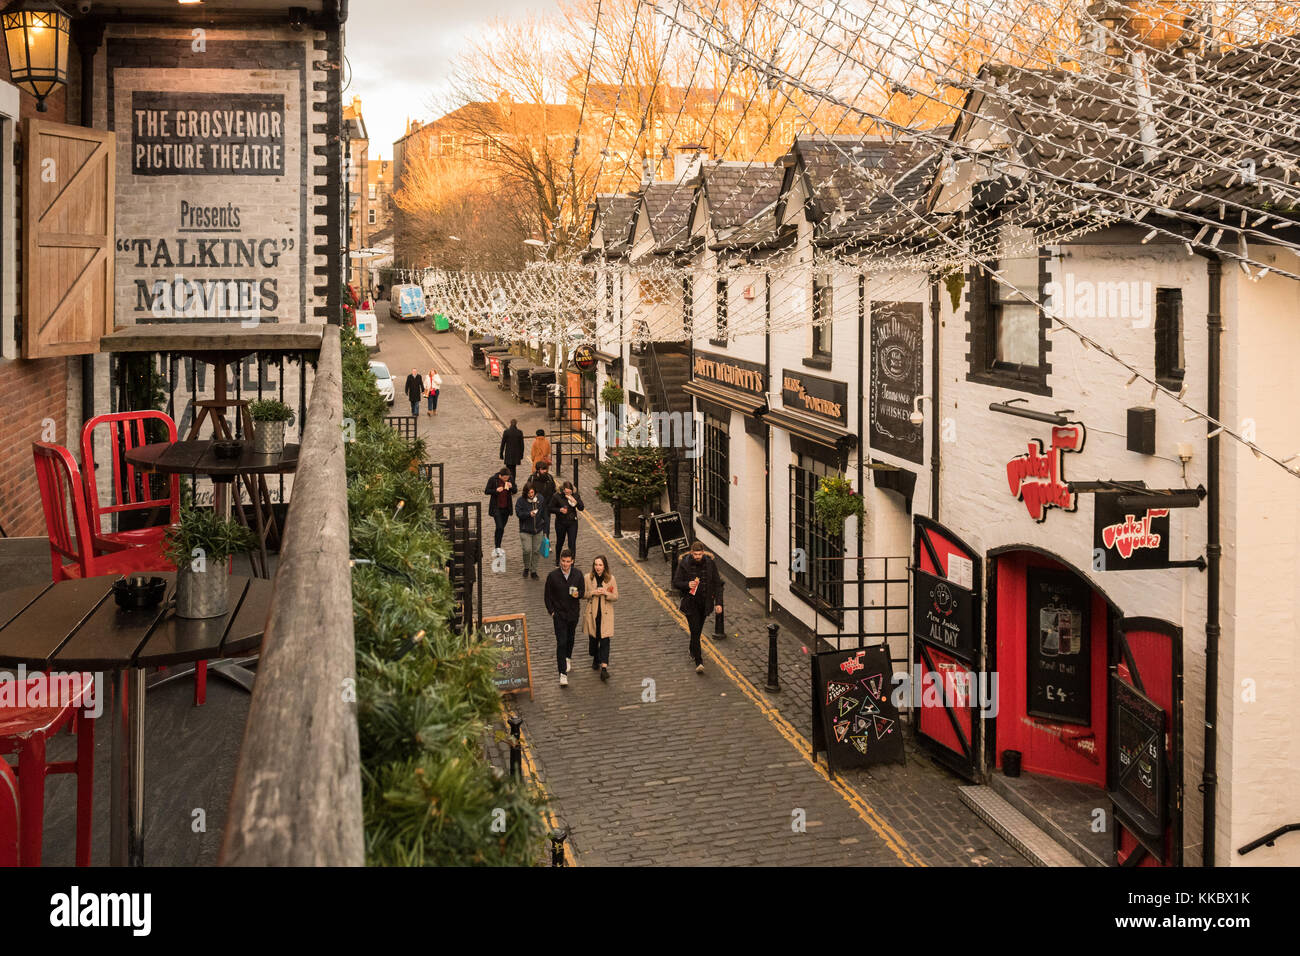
{"x": 197, "y": 458}
{"x": 76, "y": 625}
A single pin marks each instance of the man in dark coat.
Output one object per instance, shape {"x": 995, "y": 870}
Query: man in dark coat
{"x": 500, "y": 489}
{"x": 512, "y": 447}
{"x": 701, "y": 586}
{"x": 565, "y": 505}
{"x": 563, "y": 594}
{"x": 415, "y": 391}
{"x": 544, "y": 482}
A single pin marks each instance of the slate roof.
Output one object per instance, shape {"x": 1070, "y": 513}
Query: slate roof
{"x": 669, "y": 208}
{"x": 737, "y": 192}
{"x": 614, "y": 215}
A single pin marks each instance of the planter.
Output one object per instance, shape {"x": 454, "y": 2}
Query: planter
{"x": 201, "y": 594}
{"x": 268, "y": 438}
{"x": 629, "y": 515}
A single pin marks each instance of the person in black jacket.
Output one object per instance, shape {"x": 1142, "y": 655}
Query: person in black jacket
{"x": 563, "y": 594}
{"x": 415, "y": 391}
{"x": 701, "y": 586}
{"x": 530, "y": 509}
{"x": 512, "y": 447}
{"x": 500, "y": 489}
{"x": 565, "y": 505}
{"x": 544, "y": 482}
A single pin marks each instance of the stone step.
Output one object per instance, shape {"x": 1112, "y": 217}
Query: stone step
{"x": 1085, "y": 854}
{"x": 1016, "y": 828}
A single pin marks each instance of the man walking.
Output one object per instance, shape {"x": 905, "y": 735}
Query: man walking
{"x": 545, "y": 485}
{"x": 414, "y": 391}
{"x": 701, "y": 586}
{"x": 512, "y": 447}
{"x": 563, "y": 594}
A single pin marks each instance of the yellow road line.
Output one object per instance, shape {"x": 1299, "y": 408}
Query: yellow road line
{"x": 891, "y": 837}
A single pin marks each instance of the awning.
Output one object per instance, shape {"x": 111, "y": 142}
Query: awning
{"x": 836, "y": 439}
{"x": 740, "y": 401}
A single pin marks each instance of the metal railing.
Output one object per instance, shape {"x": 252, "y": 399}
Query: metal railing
{"x": 296, "y": 799}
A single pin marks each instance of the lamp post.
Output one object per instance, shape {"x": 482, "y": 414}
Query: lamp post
{"x": 36, "y": 37}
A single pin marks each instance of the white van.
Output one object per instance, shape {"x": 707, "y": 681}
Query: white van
{"x": 368, "y": 330}
{"x": 406, "y": 303}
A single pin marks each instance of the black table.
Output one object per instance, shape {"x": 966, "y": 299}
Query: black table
{"x": 76, "y": 625}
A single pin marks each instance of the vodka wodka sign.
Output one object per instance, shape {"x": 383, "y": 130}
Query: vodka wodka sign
{"x": 1129, "y": 539}
{"x": 1038, "y": 477}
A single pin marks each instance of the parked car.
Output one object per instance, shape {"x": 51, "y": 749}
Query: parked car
{"x": 383, "y": 381}
{"x": 368, "y": 329}
{"x": 406, "y": 303}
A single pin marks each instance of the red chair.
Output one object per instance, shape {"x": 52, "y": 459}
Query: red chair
{"x": 24, "y": 731}
{"x": 131, "y": 488}
{"x": 8, "y": 816}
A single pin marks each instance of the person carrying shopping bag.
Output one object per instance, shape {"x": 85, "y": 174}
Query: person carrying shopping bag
{"x": 598, "y": 616}
{"x": 565, "y": 505}
{"x": 500, "y": 489}
{"x": 531, "y": 511}
{"x": 433, "y": 387}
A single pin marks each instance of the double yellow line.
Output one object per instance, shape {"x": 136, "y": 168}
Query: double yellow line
{"x": 888, "y": 835}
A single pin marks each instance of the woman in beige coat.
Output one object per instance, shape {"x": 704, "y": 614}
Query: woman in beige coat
{"x": 598, "y": 616}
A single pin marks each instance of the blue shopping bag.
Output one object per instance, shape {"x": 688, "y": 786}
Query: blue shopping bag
{"x": 545, "y": 549}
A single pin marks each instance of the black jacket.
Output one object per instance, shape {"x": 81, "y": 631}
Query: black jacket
{"x": 490, "y": 489}
{"x": 414, "y": 387}
{"x": 558, "y": 501}
{"x": 534, "y": 524}
{"x": 556, "y": 594}
{"x": 512, "y": 446}
{"x": 709, "y": 592}
{"x": 545, "y": 486}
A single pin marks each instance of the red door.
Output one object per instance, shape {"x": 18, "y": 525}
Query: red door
{"x": 1147, "y": 657}
{"x": 947, "y": 721}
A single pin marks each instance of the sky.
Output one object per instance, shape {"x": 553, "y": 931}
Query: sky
{"x": 401, "y": 54}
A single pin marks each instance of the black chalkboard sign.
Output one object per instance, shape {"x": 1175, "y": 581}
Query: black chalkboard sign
{"x": 666, "y": 530}
{"x": 1059, "y": 660}
{"x": 943, "y": 614}
{"x": 1137, "y": 762}
{"x": 509, "y": 632}
{"x": 854, "y": 720}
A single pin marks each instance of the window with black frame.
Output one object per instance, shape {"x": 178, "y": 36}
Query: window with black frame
{"x": 713, "y": 476}
{"x": 688, "y": 305}
{"x": 720, "y": 310}
{"x": 1169, "y": 338}
{"x": 1007, "y": 329}
{"x": 817, "y": 555}
{"x": 823, "y": 303}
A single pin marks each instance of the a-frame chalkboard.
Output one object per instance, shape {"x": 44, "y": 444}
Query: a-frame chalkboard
{"x": 509, "y": 632}
{"x": 854, "y": 720}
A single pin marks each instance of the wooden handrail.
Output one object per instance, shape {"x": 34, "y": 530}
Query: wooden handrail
{"x": 297, "y": 792}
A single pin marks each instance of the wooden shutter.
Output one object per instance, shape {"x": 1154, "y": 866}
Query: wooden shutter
{"x": 67, "y": 270}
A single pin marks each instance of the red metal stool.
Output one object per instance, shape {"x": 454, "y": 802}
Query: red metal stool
{"x": 24, "y": 731}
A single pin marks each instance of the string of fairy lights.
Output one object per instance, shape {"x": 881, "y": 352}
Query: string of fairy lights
{"x": 1188, "y": 132}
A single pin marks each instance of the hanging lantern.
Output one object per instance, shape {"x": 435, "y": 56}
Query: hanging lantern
{"x": 36, "y": 36}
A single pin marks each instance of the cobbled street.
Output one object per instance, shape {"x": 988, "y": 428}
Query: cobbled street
{"x": 662, "y": 766}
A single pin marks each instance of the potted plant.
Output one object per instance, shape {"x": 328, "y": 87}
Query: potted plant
{"x": 201, "y": 546}
{"x": 611, "y": 393}
{"x": 270, "y": 417}
{"x": 835, "y": 501}
{"x": 632, "y": 477}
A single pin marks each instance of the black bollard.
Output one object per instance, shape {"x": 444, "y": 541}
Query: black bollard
{"x": 719, "y": 629}
{"x": 676, "y": 555}
{"x": 516, "y": 746}
{"x": 558, "y": 837}
{"x": 643, "y": 546}
{"x": 575, "y": 472}
{"x": 773, "y": 682}
{"x": 618, "y": 520}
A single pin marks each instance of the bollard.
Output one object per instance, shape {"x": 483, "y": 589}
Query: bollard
{"x": 575, "y": 472}
{"x": 676, "y": 556}
{"x": 558, "y": 837}
{"x": 643, "y": 546}
{"x": 618, "y": 520}
{"x": 719, "y": 630}
{"x": 773, "y": 683}
{"x": 516, "y": 746}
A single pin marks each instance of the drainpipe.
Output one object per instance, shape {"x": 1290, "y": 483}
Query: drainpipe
{"x": 767, "y": 446}
{"x": 934, "y": 399}
{"x": 862, "y": 434}
{"x": 89, "y": 34}
{"x": 1213, "y": 555}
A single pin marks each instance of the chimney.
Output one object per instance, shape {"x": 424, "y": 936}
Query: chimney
{"x": 1151, "y": 25}
{"x": 687, "y": 161}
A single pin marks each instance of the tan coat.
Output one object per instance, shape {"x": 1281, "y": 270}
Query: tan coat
{"x": 541, "y": 450}
{"x": 606, "y": 611}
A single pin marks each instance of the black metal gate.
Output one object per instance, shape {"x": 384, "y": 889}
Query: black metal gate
{"x": 462, "y": 523}
{"x": 873, "y": 607}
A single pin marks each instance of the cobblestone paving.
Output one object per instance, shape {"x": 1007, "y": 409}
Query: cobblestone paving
{"x": 661, "y": 765}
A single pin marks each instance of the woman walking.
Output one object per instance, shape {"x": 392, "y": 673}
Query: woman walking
{"x": 598, "y": 616}
{"x": 434, "y": 386}
{"x": 565, "y": 505}
{"x": 531, "y": 512}
{"x": 500, "y": 488}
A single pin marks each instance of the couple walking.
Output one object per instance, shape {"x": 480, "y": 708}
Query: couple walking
{"x": 570, "y": 595}
{"x": 417, "y": 385}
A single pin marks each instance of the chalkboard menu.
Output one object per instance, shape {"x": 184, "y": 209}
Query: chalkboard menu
{"x": 1137, "y": 762}
{"x": 667, "y": 530}
{"x": 1058, "y": 663}
{"x": 896, "y": 378}
{"x": 509, "y": 633}
{"x": 943, "y": 614}
{"x": 854, "y": 721}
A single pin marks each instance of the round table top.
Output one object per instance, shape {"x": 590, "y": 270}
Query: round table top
{"x": 77, "y": 625}
{"x": 197, "y": 458}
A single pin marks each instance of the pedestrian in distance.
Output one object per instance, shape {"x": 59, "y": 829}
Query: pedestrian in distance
{"x": 545, "y": 485}
{"x": 433, "y": 386}
{"x": 530, "y": 509}
{"x": 701, "y": 586}
{"x": 541, "y": 450}
{"x": 598, "y": 617}
{"x": 512, "y": 447}
{"x": 563, "y": 596}
{"x": 500, "y": 489}
{"x": 414, "y": 391}
{"x": 565, "y": 505}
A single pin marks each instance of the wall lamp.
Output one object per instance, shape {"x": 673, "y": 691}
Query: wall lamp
{"x": 1011, "y": 408}
{"x": 918, "y": 417}
{"x": 36, "y": 38}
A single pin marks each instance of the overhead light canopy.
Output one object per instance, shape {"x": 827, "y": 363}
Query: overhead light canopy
{"x": 1011, "y": 408}
{"x": 36, "y": 36}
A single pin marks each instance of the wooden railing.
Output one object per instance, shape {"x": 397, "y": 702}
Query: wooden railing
{"x": 297, "y": 792}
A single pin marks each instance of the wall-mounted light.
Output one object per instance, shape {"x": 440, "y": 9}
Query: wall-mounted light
{"x": 917, "y": 417}
{"x": 36, "y": 36}
{"x": 1010, "y": 408}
